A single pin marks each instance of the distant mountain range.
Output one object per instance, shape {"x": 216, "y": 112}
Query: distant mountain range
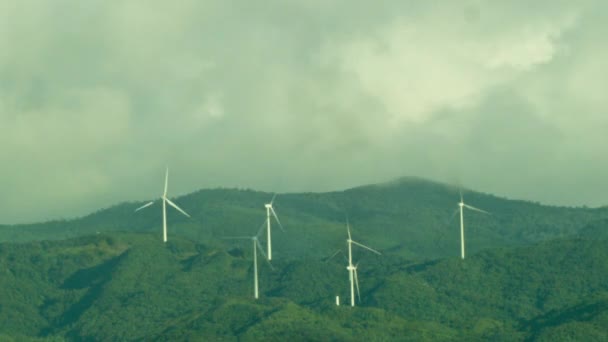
{"x": 410, "y": 217}
{"x": 534, "y": 272}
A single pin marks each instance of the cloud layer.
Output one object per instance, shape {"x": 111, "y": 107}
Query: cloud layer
{"x": 96, "y": 98}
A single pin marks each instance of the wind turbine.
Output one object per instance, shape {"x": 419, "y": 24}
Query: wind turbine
{"x": 256, "y": 245}
{"x": 352, "y": 269}
{"x": 165, "y": 201}
{"x": 270, "y": 210}
{"x": 461, "y": 206}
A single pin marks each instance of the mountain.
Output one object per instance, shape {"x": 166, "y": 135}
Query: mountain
{"x": 409, "y": 217}
{"x": 131, "y": 286}
{"x": 533, "y": 272}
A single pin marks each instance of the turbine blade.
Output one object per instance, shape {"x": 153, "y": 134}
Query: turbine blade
{"x": 276, "y": 218}
{"x": 257, "y": 242}
{"x": 236, "y": 237}
{"x": 176, "y": 207}
{"x": 144, "y": 206}
{"x": 166, "y": 182}
{"x": 333, "y": 255}
{"x": 368, "y": 248}
{"x": 357, "y": 284}
{"x": 261, "y": 249}
{"x": 273, "y": 197}
{"x": 440, "y": 238}
{"x": 460, "y": 192}
{"x": 348, "y": 230}
{"x": 452, "y": 216}
{"x": 261, "y": 228}
{"x": 476, "y": 209}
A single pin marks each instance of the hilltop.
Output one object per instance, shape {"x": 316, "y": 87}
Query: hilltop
{"x": 533, "y": 272}
{"x": 409, "y": 217}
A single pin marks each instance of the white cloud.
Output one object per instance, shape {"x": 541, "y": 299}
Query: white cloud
{"x": 305, "y": 96}
{"x": 419, "y": 66}
{"x": 56, "y": 151}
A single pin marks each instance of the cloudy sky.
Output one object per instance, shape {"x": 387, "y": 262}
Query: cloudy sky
{"x": 96, "y": 97}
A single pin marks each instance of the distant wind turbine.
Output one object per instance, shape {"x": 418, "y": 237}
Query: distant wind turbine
{"x": 461, "y": 206}
{"x": 270, "y": 210}
{"x": 256, "y": 245}
{"x": 165, "y": 201}
{"x": 352, "y": 269}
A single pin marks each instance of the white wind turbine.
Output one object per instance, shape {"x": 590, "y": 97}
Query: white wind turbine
{"x": 165, "y": 201}
{"x": 461, "y": 206}
{"x": 270, "y": 210}
{"x": 352, "y": 269}
{"x": 256, "y": 245}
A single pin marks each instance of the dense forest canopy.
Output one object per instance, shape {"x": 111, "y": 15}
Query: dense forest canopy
{"x": 533, "y": 272}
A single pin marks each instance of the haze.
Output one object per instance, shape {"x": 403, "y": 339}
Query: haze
{"x": 97, "y": 97}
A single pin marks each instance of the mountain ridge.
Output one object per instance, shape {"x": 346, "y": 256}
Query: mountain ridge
{"x": 409, "y": 216}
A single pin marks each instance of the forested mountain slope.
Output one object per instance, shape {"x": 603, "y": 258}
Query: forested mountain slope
{"x": 131, "y": 286}
{"x": 410, "y": 217}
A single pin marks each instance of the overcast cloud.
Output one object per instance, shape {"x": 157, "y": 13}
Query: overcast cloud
{"x": 96, "y": 97}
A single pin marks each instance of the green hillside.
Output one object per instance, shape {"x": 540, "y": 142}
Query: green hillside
{"x": 132, "y": 287}
{"x": 409, "y": 217}
{"x": 533, "y": 272}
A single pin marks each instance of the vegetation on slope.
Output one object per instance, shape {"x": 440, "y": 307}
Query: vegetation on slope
{"x": 409, "y": 217}
{"x": 132, "y": 287}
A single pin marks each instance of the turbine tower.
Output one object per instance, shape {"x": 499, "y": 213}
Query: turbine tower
{"x": 269, "y": 211}
{"x": 165, "y": 200}
{"x": 256, "y": 244}
{"x": 461, "y": 206}
{"x": 352, "y": 269}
